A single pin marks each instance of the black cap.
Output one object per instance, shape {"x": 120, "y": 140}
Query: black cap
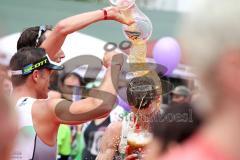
{"x": 40, "y": 62}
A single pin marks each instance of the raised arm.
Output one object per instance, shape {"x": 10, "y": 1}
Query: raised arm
{"x": 99, "y": 104}
{"x": 71, "y": 24}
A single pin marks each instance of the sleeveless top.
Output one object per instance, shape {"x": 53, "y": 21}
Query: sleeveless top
{"x": 116, "y": 115}
{"x": 92, "y": 136}
{"x": 28, "y": 145}
{"x": 127, "y": 126}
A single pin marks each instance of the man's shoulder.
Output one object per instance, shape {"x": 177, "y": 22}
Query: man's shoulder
{"x": 40, "y": 104}
{"x": 46, "y": 103}
{"x": 114, "y": 127}
{"x": 113, "y": 130}
{"x": 43, "y": 107}
{"x": 112, "y": 135}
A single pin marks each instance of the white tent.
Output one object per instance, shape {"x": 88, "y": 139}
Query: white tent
{"x": 76, "y": 44}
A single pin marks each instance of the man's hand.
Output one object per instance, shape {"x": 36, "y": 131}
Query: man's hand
{"x": 132, "y": 157}
{"x": 112, "y": 58}
{"x": 138, "y": 154}
{"x": 115, "y": 13}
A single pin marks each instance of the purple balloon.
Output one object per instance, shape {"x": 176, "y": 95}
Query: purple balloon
{"x": 123, "y": 104}
{"x": 167, "y": 52}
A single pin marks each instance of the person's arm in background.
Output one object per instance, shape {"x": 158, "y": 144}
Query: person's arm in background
{"x": 71, "y": 24}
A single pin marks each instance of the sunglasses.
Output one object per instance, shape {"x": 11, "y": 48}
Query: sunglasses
{"x": 42, "y": 30}
{"x": 42, "y": 63}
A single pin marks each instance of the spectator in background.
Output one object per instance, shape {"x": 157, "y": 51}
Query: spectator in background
{"x": 8, "y": 120}
{"x": 7, "y": 86}
{"x": 6, "y": 81}
{"x": 92, "y": 137}
{"x": 211, "y": 40}
{"x": 94, "y": 130}
{"x": 178, "y": 123}
{"x": 64, "y": 142}
{"x": 72, "y": 82}
{"x": 8, "y": 125}
{"x": 181, "y": 95}
{"x": 68, "y": 136}
{"x": 62, "y": 85}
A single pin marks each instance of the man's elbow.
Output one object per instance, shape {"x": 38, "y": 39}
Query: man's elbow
{"x": 110, "y": 104}
{"x": 61, "y": 28}
{"x": 104, "y": 107}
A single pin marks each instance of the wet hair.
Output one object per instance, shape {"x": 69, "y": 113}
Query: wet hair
{"x": 29, "y": 36}
{"x": 175, "y": 124}
{"x": 141, "y": 92}
{"x": 23, "y": 57}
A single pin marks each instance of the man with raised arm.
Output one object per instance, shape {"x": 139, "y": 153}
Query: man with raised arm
{"x": 39, "y": 117}
{"x": 52, "y": 38}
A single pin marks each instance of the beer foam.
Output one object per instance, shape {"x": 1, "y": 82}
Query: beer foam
{"x": 139, "y": 138}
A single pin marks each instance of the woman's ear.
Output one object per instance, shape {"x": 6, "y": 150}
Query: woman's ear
{"x": 35, "y": 75}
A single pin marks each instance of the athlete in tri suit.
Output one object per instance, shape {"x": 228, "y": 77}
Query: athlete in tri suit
{"x": 51, "y": 39}
{"x": 39, "y": 117}
{"x": 144, "y": 102}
